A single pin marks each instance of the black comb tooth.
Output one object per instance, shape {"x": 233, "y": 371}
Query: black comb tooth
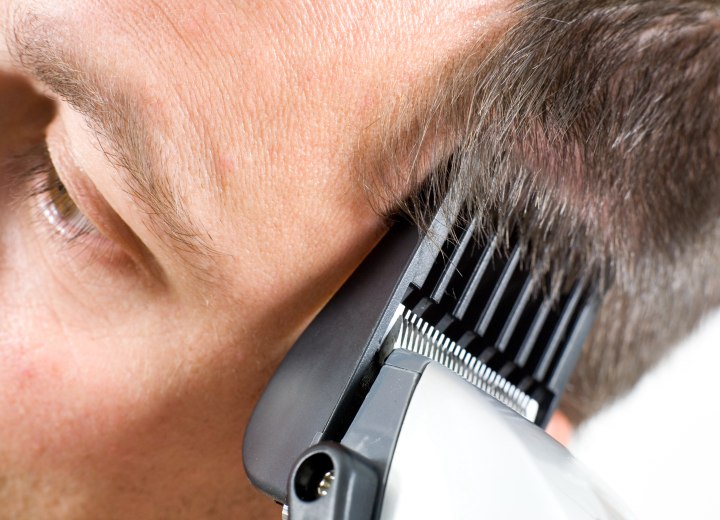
{"x": 466, "y": 339}
{"x": 535, "y": 328}
{"x": 478, "y": 272}
{"x": 441, "y": 253}
{"x": 558, "y": 334}
{"x": 451, "y": 268}
{"x": 498, "y": 292}
{"x": 582, "y": 321}
{"x": 516, "y": 314}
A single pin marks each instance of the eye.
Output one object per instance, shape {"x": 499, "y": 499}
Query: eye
{"x": 54, "y": 203}
{"x": 60, "y": 210}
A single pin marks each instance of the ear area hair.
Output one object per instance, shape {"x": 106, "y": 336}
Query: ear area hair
{"x": 590, "y": 128}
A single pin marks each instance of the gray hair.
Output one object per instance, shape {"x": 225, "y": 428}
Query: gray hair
{"x": 592, "y": 128}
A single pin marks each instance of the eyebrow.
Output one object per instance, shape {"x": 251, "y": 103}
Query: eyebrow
{"x": 116, "y": 115}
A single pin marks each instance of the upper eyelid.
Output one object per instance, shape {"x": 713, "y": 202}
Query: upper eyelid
{"x": 78, "y": 184}
{"x": 60, "y": 208}
{"x": 34, "y": 162}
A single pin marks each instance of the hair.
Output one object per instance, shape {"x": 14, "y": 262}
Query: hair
{"x": 592, "y": 128}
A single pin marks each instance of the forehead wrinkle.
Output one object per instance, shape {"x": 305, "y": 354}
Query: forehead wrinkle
{"x": 116, "y": 115}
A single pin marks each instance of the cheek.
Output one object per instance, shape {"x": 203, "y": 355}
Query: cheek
{"x": 67, "y": 393}
{"x": 82, "y": 399}
{"x": 59, "y": 391}
{"x": 54, "y": 404}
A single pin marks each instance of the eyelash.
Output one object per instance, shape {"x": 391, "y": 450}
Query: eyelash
{"x": 50, "y": 199}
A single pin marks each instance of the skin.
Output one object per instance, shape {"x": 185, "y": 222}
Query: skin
{"x": 128, "y": 365}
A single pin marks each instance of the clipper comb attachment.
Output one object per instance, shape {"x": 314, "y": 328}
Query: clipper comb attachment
{"x": 484, "y": 316}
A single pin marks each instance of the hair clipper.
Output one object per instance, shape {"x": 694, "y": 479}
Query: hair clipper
{"x": 421, "y": 390}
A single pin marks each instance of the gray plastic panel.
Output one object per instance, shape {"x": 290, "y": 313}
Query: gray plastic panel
{"x": 376, "y": 428}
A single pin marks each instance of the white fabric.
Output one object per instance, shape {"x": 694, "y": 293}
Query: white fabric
{"x": 659, "y": 448}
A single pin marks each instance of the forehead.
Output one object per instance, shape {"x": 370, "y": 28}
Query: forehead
{"x": 200, "y": 36}
{"x": 192, "y": 61}
{"x": 238, "y": 65}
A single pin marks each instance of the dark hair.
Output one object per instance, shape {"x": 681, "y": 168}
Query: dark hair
{"x": 593, "y": 128}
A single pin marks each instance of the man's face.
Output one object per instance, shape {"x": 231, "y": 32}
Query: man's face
{"x": 178, "y": 196}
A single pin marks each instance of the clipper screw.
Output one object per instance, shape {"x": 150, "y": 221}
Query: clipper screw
{"x": 326, "y": 483}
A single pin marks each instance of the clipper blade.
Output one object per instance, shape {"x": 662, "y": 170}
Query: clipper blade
{"x": 410, "y": 332}
{"x": 416, "y": 335}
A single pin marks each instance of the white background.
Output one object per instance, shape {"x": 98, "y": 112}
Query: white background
{"x": 659, "y": 448}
